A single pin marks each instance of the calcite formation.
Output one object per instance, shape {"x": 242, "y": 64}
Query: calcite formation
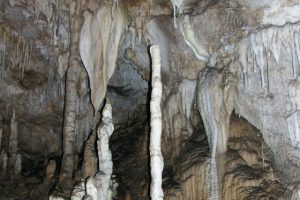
{"x": 98, "y": 46}
{"x": 89, "y": 165}
{"x": 105, "y": 164}
{"x": 156, "y": 159}
{"x": 50, "y": 170}
{"x": 226, "y": 125}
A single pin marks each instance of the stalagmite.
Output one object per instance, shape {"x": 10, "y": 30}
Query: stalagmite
{"x": 113, "y": 189}
{"x": 1, "y": 132}
{"x": 105, "y": 130}
{"x": 296, "y": 193}
{"x": 13, "y": 144}
{"x": 92, "y": 190}
{"x": 78, "y": 191}
{"x": 67, "y": 168}
{"x": 89, "y": 165}
{"x": 18, "y": 164}
{"x": 50, "y": 169}
{"x": 4, "y": 160}
{"x": 156, "y": 159}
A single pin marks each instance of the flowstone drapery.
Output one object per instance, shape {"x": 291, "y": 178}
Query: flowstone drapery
{"x": 216, "y": 90}
{"x": 156, "y": 159}
{"x": 98, "y": 47}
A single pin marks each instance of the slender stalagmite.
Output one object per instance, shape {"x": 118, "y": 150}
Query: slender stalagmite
{"x": 13, "y": 145}
{"x": 67, "y": 168}
{"x": 1, "y": 131}
{"x": 156, "y": 159}
{"x": 105, "y": 130}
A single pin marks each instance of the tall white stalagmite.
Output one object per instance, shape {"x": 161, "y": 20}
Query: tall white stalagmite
{"x": 156, "y": 159}
{"x": 105, "y": 130}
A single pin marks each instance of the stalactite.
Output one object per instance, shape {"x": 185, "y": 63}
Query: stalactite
{"x": 20, "y": 50}
{"x": 187, "y": 89}
{"x": 156, "y": 159}
{"x": 105, "y": 130}
{"x": 99, "y": 47}
{"x": 216, "y": 90}
{"x": 176, "y": 7}
{"x": 272, "y": 42}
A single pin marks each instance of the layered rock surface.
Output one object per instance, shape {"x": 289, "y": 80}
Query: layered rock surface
{"x": 255, "y": 43}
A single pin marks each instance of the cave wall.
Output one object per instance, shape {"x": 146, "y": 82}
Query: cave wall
{"x": 257, "y": 42}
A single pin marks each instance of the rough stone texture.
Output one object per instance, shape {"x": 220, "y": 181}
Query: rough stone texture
{"x": 248, "y": 174}
{"x": 268, "y": 92}
{"x": 78, "y": 191}
{"x": 258, "y": 41}
{"x": 89, "y": 164}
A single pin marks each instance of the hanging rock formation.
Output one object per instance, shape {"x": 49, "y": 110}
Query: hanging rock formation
{"x": 216, "y": 90}
{"x": 268, "y": 91}
{"x": 99, "y": 46}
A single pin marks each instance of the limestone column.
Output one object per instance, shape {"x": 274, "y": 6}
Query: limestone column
{"x": 105, "y": 130}
{"x": 156, "y": 159}
{"x": 74, "y": 62}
